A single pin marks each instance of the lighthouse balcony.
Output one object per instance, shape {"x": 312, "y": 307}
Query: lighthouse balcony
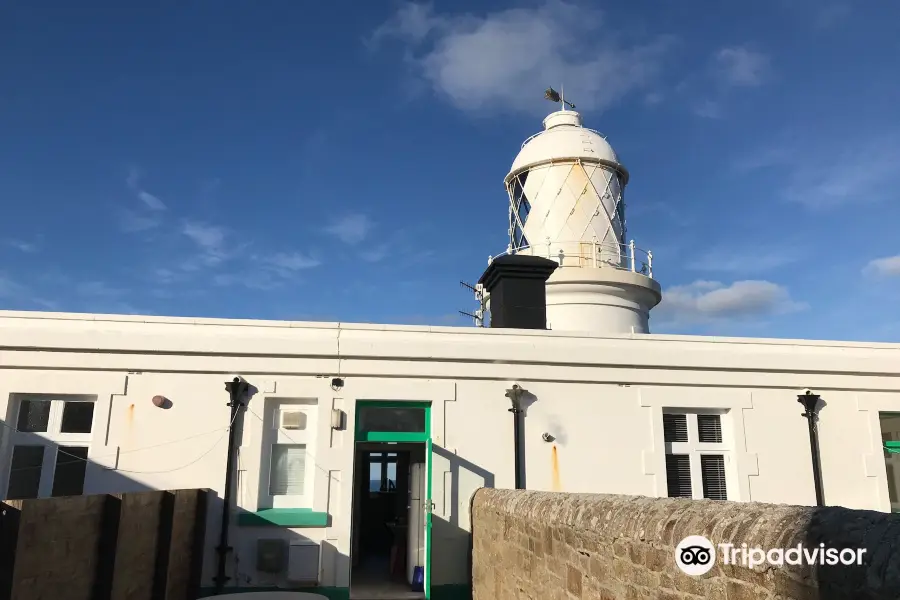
{"x": 591, "y": 255}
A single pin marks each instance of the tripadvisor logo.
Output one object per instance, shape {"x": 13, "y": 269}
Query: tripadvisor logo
{"x": 695, "y": 555}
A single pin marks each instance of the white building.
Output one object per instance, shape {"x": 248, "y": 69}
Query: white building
{"x": 98, "y": 403}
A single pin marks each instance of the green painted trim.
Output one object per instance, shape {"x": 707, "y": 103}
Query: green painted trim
{"x": 391, "y": 436}
{"x": 283, "y": 517}
{"x": 428, "y": 521}
{"x": 892, "y": 444}
{"x": 332, "y": 593}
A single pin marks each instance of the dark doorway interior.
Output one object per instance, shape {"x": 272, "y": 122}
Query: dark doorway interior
{"x": 381, "y": 520}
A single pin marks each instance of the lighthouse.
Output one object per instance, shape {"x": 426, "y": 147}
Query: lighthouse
{"x": 566, "y": 193}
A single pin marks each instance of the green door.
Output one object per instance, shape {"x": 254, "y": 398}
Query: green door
{"x": 429, "y": 509}
{"x": 402, "y": 421}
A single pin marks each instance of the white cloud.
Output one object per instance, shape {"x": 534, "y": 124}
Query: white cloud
{"x": 131, "y": 221}
{"x": 888, "y": 266}
{"x": 351, "y": 229}
{"x": 23, "y": 246}
{"x": 704, "y": 301}
{"x": 294, "y": 261}
{"x": 653, "y": 98}
{"x": 741, "y": 66}
{"x": 133, "y": 180}
{"x": 503, "y": 60}
{"x": 98, "y": 289}
{"x": 376, "y": 254}
{"x": 151, "y": 201}
{"x": 210, "y": 239}
{"x": 708, "y": 109}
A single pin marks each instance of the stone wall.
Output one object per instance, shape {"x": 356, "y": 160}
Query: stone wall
{"x": 547, "y": 546}
{"x": 135, "y": 546}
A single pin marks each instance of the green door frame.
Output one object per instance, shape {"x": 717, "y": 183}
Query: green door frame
{"x": 424, "y": 437}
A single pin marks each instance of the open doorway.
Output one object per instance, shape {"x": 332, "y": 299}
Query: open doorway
{"x": 388, "y": 531}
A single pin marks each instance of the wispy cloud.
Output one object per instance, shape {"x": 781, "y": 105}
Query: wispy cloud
{"x": 131, "y": 221}
{"x": 744, "y": 261}
{"x": 351, "y": 229}
{"x": 708, "y": 109}
{"x": 133, "y": 180}
{"x": 831, "y": 172}
{"x": 217, "y": 247}
{"x": 709, "y": 301}
{"x": 376, "y": 254}
{"x": 494, "y": 61}
{"x": 98, "y": 289}
{"x": 10, "y": 288}
{"x": 210, "y": 241}
{"x": 888, "y": 266}
{"x": 741, "y": 66}
{"x": 827, "y": 15}
{"x": 293, "y": 261}
{"x": 23, "y": 246}
{"x": 19, "y": 295}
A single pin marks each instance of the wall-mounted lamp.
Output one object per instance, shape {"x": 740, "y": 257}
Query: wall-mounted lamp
{"x": 547, "y": 437}
{"x": 337, "y": 383}
{"x": 337, "y": 419}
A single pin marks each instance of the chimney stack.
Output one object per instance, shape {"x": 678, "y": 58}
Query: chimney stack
{"x": 517, "y": 287}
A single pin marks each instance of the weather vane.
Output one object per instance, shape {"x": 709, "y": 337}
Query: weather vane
{"x": 554, "y": 96}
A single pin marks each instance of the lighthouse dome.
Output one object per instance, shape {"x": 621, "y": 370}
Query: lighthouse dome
{"x": 565, "y": 138}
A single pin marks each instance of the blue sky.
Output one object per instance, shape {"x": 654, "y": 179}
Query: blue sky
{"x": 292, "y": 160}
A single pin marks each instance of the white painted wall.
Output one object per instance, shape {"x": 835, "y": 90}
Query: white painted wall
{"x": 601, "y": 397}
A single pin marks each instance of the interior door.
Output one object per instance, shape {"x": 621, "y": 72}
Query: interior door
{"x": 428, "y": 505}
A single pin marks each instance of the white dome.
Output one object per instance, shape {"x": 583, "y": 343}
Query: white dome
{"x": 564, "y": 138}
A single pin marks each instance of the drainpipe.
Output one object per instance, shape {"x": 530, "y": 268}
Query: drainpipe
{"x": 237, "y": 390}
{"x": 809, "y": 402}
{"x": 515, "y": 394}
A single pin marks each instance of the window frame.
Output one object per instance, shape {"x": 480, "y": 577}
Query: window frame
{"x": 694, "y": 448}
{"x": 52, "y": 440}
{"x": 274, "y": 435}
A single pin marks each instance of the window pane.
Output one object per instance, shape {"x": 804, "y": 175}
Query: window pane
{"x": 33, "y": 415}
{"x": 374, "y": 477}
{"x": 675, "y": 428}
{"x": 678, "y": 475}
{"x": 712, "y": 467}
{"x": 392, "y": 476}
{"x": 288, "y": 470}
{"x": 372, "y": 418}
{"x": 68, "y": 478}
{"x": 709, "y": 429}
{"x": 25, "y": 472}
{"x": 77, "y": 417}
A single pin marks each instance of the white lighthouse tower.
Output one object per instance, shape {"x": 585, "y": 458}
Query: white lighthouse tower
{"x": 566, "y": 194}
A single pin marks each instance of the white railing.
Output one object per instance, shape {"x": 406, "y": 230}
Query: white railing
{"x": 581, "y": 254}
